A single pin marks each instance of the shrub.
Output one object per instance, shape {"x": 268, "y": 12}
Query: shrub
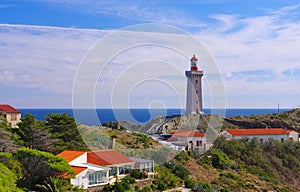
{"x": 177, "y": 169}
{"x": 146, "y": 189}
{"x": 189, "y": 182}
{"x": 202, "y": 187}
{"x": 167, "y": 177}
{"x": 220, "y": 160}
{"x": 181, "y": 157}
{"x": 128, "y": 179}
{"x": 136, "y": 174}
{"x": 161, "y": 185}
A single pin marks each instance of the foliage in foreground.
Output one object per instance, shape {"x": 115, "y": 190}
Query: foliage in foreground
{"x": 271, "y": 161}
{"x": 37, "y": 166}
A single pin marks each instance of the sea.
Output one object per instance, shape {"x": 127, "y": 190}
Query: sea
{"x": 139, "y": 116}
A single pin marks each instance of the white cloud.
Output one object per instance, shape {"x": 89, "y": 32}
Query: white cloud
{"x": 46, "y": 58}
{"x": 269, "y": 43}
{"x": 43, "y": 57}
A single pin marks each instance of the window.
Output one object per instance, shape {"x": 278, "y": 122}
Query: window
{"x": 282, "y": 139}
{"x": 124, "y": 169}
{"x": 112, "y": 171}
{"x": 149, "y": 167}
{"x": 196, "y": 81}
{"x": 13, "y": 117}
{"x": 97, "y": 178}
{"x": 199, "y": 143}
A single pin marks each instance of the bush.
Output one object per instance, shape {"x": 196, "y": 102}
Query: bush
{"x": 220, "y": 160}
{"x": 231, "y": 176}
{"x": 146, "y": 189}
{"x": 231, "y": 180}
{"x": 181, "y": 157}
{"x": 202, "y": 187}
{"x": 118, "y": 187}
{"x": 166, "y": 177}
{"x": 161, "y": 185}
{"x": 189, "y": 182}
{"x": 177, "y": 169}
{"x": 263, "y": 175}
{"x": 135, "y": 173}
{"x": 128, "y": 179}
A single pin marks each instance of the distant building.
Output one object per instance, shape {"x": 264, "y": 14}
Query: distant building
{"x": 12, "y": 115}
{"x": 191, "y": 140}
{"x": 262, "y": 135}
{"x": 97, "y": 168}
{"x": 194, "y": 88}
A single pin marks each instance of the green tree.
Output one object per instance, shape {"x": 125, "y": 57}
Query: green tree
{"x": 3, "y": 123}
{"x": 53, "y": 184}
{"x": 6, "y": 143}
{"x": 7, "y": 179}
{"x": 64, "y": 128}
{"x": 32, "y": 134}
{"x": 10, "y": 162}
{"x": 56, "y": 184}
{"x": 39, "y": 165}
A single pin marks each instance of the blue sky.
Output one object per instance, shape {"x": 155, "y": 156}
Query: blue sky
{"x": 254, "y": 43}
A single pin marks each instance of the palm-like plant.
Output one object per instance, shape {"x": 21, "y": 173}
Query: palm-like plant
{"x": 53, "y": 184}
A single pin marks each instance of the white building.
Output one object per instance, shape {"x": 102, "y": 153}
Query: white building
{"x": 12, "y": 115}
{"x": 98, "y": 168}
{"x": 191, "y": 140}
{"x": 261, "y": 134}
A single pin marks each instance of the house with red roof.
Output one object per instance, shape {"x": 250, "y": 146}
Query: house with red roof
{"x": 190, "y": 140}
{"x": 97, "y": 168}
{"x": 262, "y": 134}
{"x": 12, "y": 115}
{"x": 88, "y": 175}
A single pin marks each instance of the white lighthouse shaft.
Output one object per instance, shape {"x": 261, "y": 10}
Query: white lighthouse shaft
{"x": 194, "y": 88}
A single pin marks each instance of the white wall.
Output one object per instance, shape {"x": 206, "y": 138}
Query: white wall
{"x": 80, "y": 180}
{"x": 79, "y": 160}
{"x": 9, "y": 118}
{"x": 294, "y": 135}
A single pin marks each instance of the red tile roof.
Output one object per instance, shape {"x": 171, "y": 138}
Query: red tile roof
{"x": 8, "y": 109}
{"x": 186, "y": 133}
{"x": 107, "y": 157}
{"x": 70, "y": 155}
{"x": 266, "y": 131}
{"x": 78, "y": 169}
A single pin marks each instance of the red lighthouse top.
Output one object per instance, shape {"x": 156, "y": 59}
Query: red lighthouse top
{"x": 194, "y": 62}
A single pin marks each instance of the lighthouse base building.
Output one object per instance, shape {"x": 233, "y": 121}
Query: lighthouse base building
{"x": 194, "y": 88}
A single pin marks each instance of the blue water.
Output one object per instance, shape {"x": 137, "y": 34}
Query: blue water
{"x": 85, "y": 116}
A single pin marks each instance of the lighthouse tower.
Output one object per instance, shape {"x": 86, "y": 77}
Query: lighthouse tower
{"x": 194, "y": 88}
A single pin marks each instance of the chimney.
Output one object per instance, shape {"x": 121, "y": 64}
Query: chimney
{"x": 113, "y": 143}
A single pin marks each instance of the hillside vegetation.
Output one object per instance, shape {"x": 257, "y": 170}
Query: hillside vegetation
{"x": 286, "y": 120}
{"x": 28, "y": 161}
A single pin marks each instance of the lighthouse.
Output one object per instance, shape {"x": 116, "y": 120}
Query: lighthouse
{"x": 194, "y": 88}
